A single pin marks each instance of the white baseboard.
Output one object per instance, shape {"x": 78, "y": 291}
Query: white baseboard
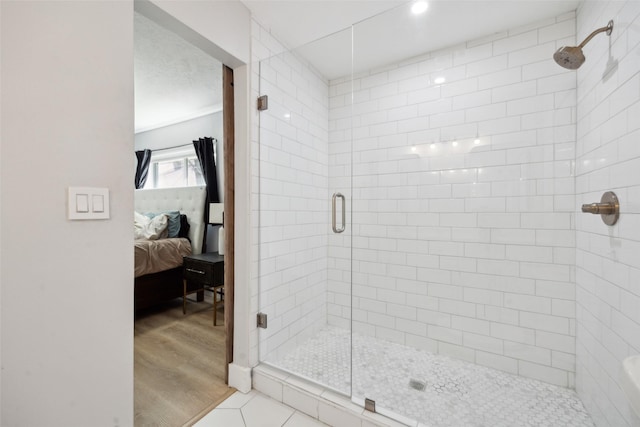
{"x": 240, "y": 377}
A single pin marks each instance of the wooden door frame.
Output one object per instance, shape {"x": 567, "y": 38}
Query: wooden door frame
{"x": 228, "y": 120}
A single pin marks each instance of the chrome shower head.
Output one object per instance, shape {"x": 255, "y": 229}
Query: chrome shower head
{"x": 571, "y": 57}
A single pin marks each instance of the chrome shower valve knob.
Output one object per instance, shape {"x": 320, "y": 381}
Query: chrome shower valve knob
{"x": 608, "y": 208}
{"x": 599, "y": 208}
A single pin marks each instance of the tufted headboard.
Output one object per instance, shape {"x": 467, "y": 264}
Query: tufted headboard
{"x": 188, "y": 200}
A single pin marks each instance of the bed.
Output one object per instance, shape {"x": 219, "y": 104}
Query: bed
{"x": 162, "y": 281}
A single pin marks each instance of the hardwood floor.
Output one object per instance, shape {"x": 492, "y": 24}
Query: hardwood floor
{"x": 179, "y": 363}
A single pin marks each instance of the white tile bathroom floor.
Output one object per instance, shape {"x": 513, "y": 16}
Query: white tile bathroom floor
{"x": 455, "y": 394}
{"x": 255, "y": 410}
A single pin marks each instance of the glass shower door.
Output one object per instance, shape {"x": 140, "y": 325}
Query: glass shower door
{"x": 463, "y": 222}
{"x": 391, "y": 304}
{"x": 304, "y": 198}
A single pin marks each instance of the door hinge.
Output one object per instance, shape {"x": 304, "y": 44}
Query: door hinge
{"x": 263, "y": 103}
{"x": 262, "y": 320}
{"x": 370, "y": 405}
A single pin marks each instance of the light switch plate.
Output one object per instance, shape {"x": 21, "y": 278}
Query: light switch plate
{"x": 88, "y": 203}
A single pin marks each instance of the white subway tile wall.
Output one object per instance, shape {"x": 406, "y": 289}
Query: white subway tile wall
{"x": 463, "y": 209}
{"x": 608, "y": 258}
{"x": 291, "y": 152}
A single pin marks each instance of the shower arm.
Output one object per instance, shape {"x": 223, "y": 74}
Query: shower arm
{"x": 608, "y": 29}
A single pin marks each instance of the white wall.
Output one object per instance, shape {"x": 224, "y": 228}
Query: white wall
{"x": 244, "y": 325}
{"x": 608, "y": 158}
{"x": 181, "y": 133}
{"x": 224, "y": 22}
{"x": 294, "y": 204}
{"x": 460, "y": 248}
{"x": 67, "y": 306}
{"x": 67, "y": 112}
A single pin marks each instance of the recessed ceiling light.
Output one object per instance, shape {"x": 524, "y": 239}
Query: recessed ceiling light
{"x": 439, "y": 80}
{"x": 419, "y": 7}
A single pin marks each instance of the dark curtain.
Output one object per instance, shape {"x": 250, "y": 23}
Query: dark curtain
{"x": 204, "y": 151}
{"x": 142, "y": 168}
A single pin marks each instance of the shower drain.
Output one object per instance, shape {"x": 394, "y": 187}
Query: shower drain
{"x": 417, "y": 385}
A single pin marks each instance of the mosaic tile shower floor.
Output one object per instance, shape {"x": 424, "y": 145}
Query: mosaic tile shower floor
{"x": 457, "y": 393}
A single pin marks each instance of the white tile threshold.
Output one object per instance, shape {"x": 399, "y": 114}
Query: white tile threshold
{"x": 324, "y": 405}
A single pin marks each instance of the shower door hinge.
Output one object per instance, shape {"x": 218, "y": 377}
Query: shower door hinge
{"x": 370, "y": 405}
{"x": 262, "y": 320}
{"x": 263, "y": 102}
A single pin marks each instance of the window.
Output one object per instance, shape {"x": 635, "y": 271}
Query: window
{"x": 174, "y": 168}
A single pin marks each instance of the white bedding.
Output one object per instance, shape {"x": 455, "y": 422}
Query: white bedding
{"x": 159, "y": 254}
{"x": 152, "y": 256}
{"x": 150, "y": 228}
{"x": 187, "y": 200}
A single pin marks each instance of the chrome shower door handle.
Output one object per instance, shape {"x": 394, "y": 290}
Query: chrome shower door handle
{"x": 333, "y": 213}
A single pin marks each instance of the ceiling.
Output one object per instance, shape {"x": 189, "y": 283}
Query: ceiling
{"x": 387, "y": 31}
{"x": 174, "y": 80}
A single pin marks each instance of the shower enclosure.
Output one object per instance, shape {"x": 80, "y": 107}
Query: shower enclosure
{"x": 417, "y": 215}
{"x": 305, "y": 217}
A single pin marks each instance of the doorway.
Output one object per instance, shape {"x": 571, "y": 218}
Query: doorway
{"x": 181, "y": 360}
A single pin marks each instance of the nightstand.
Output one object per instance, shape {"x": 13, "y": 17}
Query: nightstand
{"x": 203, "y": 272}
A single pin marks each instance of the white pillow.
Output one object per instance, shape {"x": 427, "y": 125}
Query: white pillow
{"x": 150, "y": 228}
